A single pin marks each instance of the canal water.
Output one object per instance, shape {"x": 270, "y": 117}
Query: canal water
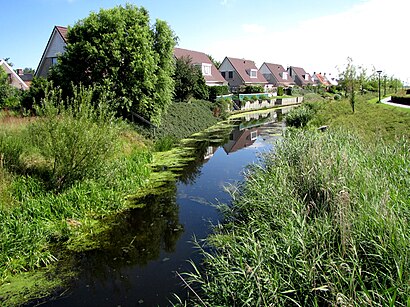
{"x": 141, "y": 253}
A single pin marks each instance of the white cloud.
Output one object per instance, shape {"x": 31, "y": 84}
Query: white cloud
{"x": 372, "y": 32}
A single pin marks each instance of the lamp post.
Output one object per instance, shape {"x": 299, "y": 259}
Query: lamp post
{"x": 379, "y": 72}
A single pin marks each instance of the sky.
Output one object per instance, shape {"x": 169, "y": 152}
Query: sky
{"x": 317, "y": 35}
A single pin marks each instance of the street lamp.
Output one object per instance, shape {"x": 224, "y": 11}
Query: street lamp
{"x": 379, "y": 72}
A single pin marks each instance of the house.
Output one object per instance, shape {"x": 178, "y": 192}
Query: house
{"x": 55, "y": 47}
{"x": 26, "y": 77}
{"x": 211, "y": 74}
{"x": 331, "y": 79}
{"x": 320, "y": 79}
{"x": 240, "y": 138}
{"x": 241, "y": 72}
{"x": 300, "y": 76}
{"x": 14, "y": 78}
{"x": 276, "y": 75}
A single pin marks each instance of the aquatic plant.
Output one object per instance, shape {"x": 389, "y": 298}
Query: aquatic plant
{"x": 323, "y": 220}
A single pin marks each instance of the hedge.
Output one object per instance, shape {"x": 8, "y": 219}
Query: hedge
{"x": 401, "y": 99}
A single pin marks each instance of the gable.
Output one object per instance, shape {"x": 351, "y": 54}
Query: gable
{"x": 14, "y": 78}
{"x": 56, "y": 46}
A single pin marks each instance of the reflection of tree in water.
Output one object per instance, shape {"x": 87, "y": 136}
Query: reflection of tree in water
{"x": 136, "y": 237}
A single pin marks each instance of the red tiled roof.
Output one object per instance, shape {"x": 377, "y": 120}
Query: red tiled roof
{"x": 199, "y": 58}
{"x": 276, "y": 70}
{"x": 322, "y": 79}
{"x": 243, "y": 67}
{"x": 63, "y": 32}
{"x": 300, "y": 72}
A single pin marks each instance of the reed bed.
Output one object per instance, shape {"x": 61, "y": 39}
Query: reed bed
{"x": 323, "y": 220}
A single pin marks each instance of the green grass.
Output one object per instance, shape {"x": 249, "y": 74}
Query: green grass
{"x": 370, "y": 120}
{"x": 39, "y": 216}
{"x": 322, "y": 221}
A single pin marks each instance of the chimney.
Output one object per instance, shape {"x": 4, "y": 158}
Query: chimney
{"x": 20, "y": 71}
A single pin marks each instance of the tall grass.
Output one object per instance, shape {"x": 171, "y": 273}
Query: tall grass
{"x": 60, "y": 177}
{"x": 322, "y": 221}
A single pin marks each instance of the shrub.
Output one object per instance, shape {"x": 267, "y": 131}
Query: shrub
{"x": 299, "y": 117}
{"x": 280, "y": 91}
{"x": 37, "y": 91}
{"x": 215, "y": 91}
{"x": 401, "y": 99}
{"x": 75, "y": 140}
{"x": 183, "y": 119}
{"x": 251, "y": 89}
{"x": 337, "y": 97}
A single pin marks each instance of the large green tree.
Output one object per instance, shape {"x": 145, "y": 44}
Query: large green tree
{"x": 118, "y": 51}
{"x": 189, "y": 81}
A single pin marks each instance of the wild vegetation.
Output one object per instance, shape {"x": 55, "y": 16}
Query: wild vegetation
{"x": 61, "y": 174}
{"x": 321, "y": 220}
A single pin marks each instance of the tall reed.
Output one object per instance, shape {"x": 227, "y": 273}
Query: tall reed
{"x": 323, "y": 220}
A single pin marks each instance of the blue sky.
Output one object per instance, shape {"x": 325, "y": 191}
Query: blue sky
{"x": 317, "y": 35}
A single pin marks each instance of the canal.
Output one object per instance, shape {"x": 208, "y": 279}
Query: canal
{"x": 139, "y": 256}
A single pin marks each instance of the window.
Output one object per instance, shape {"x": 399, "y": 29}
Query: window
{"x": 230, "y": 74}
{"x": 254, "y": 135}
{"x": 284, "y": 75}
{"x": 206, "y": 69}
{"x": 252, "y": 73}
{"x": 223, "y": 74}
{"x": 53, "y": 61}
{"x": 10, "y": 78}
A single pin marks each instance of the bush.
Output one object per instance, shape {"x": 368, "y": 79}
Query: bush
{"x": 401, "y": 99}
{"x": 183, "y": 119}
{"x": 337, "y": 97}
{"x": 75, "y": 140}
{"x": 280, "y": 91}
{"x": 36, "y": 92}
{"x": 215, "y": 91}
{"x": 251, "y": 89}
{"x": 299, "y": 117}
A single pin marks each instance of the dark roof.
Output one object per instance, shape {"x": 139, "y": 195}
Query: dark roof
{"x": 26, "y": 77}
{"x": 243, "y": 67}
{"x": 276, "y": 70}
{"x": 197, "y": 57}
{"x": 63, "y": 32}
{"x": 300, "y": 72}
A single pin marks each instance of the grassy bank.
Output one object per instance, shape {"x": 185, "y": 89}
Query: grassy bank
{"x": 181, "y": 120}
{"x": 370, "y": 120}
{"x": 323, "y": 221}
{"x": 61, "y": 175}
{"x": 65, "y": 174}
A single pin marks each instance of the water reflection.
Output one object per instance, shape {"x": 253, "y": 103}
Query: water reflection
{"x": 142, "y": 248}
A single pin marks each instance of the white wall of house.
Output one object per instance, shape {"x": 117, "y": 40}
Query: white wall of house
{"x": 56, "y": 47}
{"x": 14, "y": 79}
{"x": 227, "y": 67}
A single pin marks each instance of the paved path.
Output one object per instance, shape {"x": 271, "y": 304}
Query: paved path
{"x": 387, "y": 100}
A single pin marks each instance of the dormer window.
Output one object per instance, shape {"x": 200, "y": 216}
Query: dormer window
{"x": 284, "y": 75}
{"x": 306, "y": 77}
{"x": 206, "y": 69}
{"x": 253, "y": 73}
